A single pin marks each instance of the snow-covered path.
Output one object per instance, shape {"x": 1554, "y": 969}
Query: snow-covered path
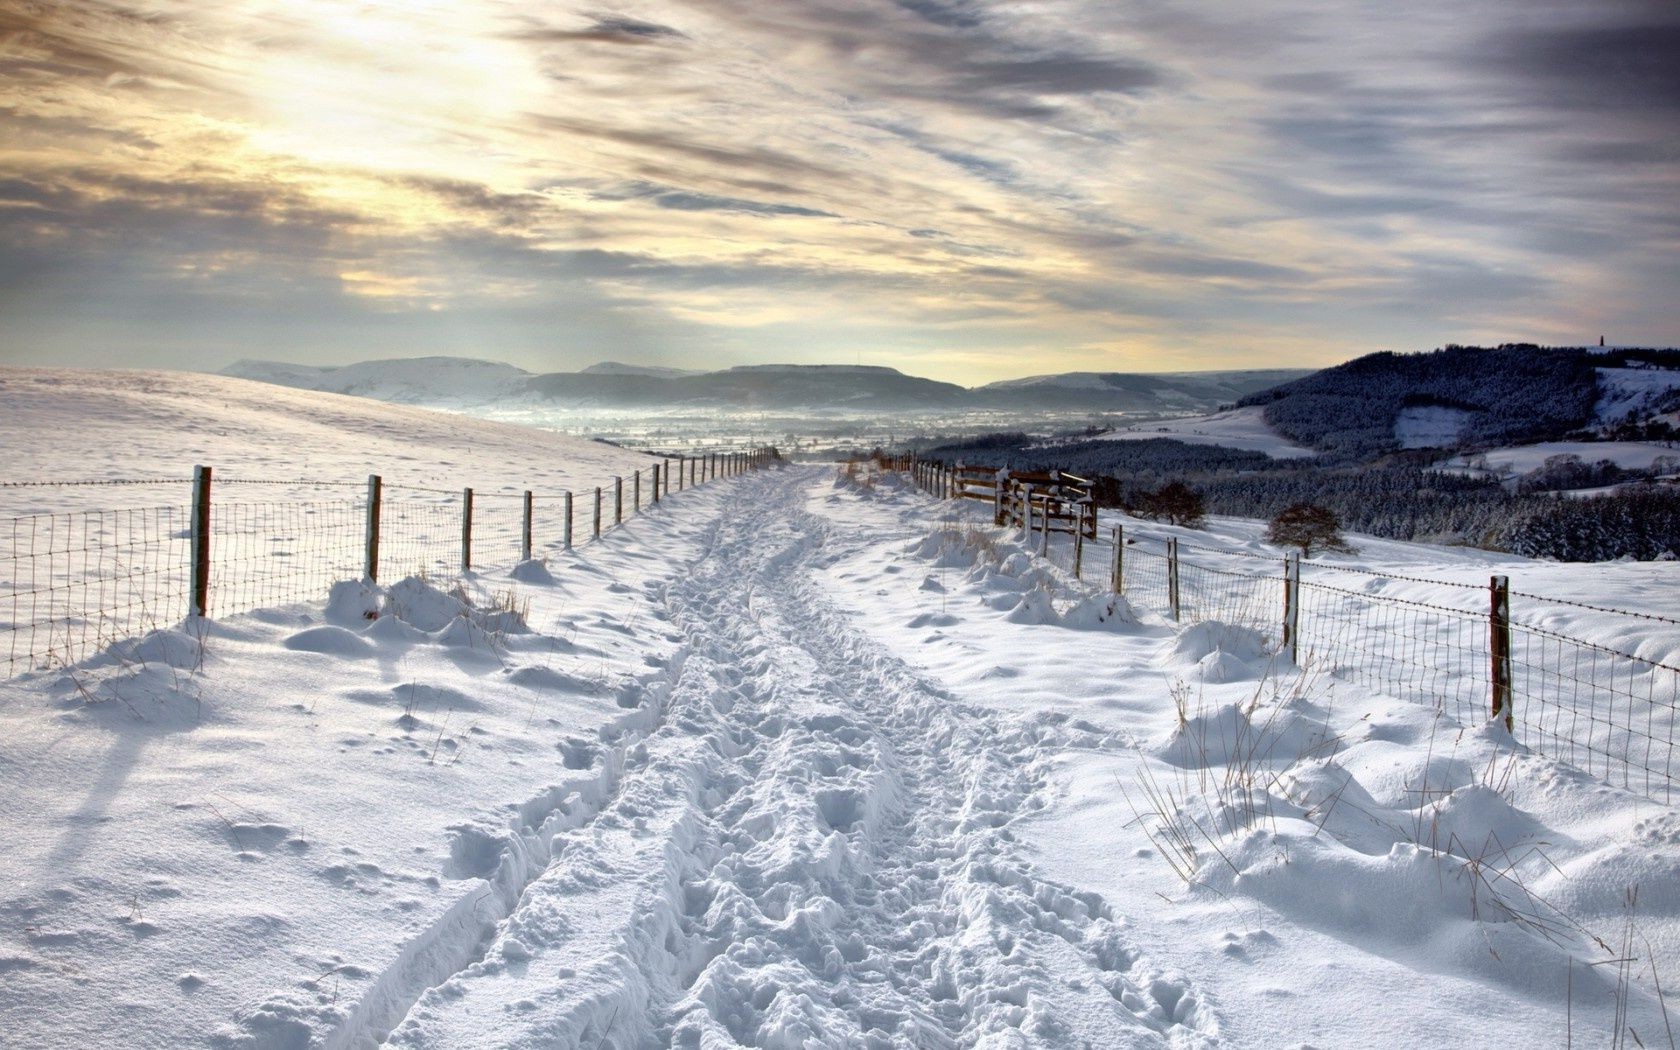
{"x": 810, "y": 848}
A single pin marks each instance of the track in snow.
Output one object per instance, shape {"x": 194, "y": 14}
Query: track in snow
{"x": 810, "y": 847}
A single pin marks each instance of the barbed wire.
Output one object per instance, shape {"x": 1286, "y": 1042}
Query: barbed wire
{"x": 1596, "y": 608}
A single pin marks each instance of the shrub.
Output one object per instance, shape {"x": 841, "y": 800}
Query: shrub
{"x": 1175, "y": 503}
{"x": 1307, "y": 526}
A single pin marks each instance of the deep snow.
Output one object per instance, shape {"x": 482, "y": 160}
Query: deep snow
{"x": 800, "y": 761}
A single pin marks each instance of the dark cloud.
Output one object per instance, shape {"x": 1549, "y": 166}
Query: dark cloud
{"x": 604, "y": 29}
{"x": 1600, "y": 68}
{"x": 958, "y": 15}
{"x": 687, "y": 200}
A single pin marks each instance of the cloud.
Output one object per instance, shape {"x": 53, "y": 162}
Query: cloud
{"x": 603, "y": 29}
{"x": 967, "y": 178}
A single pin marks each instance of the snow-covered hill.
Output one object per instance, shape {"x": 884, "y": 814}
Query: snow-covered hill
{"x": 85, "y": 425}
{"x": 1243, "y": 428}
{"x": 438, "y": 381}
{"x": 1637, "y": 393}
{"x": 619, "y": 368}
{"x": 802, "y": 761}
{"x": 1133, "y": 391}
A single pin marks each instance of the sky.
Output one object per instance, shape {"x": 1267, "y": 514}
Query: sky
{"x": 962, "y": 189}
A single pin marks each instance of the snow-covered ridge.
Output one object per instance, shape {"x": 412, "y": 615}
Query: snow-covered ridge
{"x": 619, "y": 368}
{"x": 410, "y": 381}
{"x": 1241, "y": 428}
{"x": 1624, "y": 392}
{"x": 131, "y": 424}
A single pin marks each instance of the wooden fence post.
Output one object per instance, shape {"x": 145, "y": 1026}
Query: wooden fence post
{"x": 201, "y": 542}
{"x": 618, "y": 500}
{"x": 681, "y": 480}
{"x": 1078, "y": 549}
{"x": 694, "y": 471}
{"x": 1292, "y": 607}
{"x": 567, "y": 499}
{"x": 655, "y": 471}
{"x": 1172, "y": 577}
{"x": 597, "y": 512}
{"x": 375, "y": 497}
{"x": 525, "y": 531}
{"x": 636, "y": 494}
{"x": 1499, "y": 629}
{"x": 1044, "y": 528}
{"x": 466, "y": 529}
{"x": 1117, "y": 571}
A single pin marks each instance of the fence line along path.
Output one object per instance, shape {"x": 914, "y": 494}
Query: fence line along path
{"x": 1478, "y": 653}
{"x": 74, "y": 583}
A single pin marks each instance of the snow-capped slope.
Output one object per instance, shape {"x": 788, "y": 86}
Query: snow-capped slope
{"x": 439, "y": 381}
{"x": 619, "y": 368}
{"x": 87, "y": 425}
{"x": 1243, "y": 428}
{"x": 1636, "y": 393}
{"x": 1521, "y": 459}
{"x": 1133, "y": 391}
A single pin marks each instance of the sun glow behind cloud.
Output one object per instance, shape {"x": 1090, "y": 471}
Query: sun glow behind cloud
{"x": 957, "y": 188}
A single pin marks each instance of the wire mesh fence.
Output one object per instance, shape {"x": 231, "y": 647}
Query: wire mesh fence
{"x": 74, "y": 583}
{"x": 1600, "y": 707}
{"x": 71, "y": 584}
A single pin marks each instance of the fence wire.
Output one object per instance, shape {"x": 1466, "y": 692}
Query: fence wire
{"x": 74, "y": 583}
{"x": 1606, "y": 711}
{"x": 71, "y": 584}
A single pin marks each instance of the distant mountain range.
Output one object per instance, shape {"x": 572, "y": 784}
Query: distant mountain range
{"x": 454, "y": 382}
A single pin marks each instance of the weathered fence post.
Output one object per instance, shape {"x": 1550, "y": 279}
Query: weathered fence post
{"x": 680, "y": 472}
{"x": 655, "y": 470}
{"x": 1499, "y": 626}
{"x": 1044, "y": 528}
{"x": 466, "y": 529}
{"x": 370, "y": 560}
{"x": 618, "y": 500}
{"x": 597, "y": 512}
{"x": 1292, "y": 607}
{"x": 567, "y": 500}
{"x": 694, "y": 471}
{"x": 1078, "y": 548}
{"x": 1172, "y": 577}
{"x": 1117, "y": 571}
{"x": 525, "y": 530}
{"x": 201, "y": 542}
{"x": 636, "y": 494}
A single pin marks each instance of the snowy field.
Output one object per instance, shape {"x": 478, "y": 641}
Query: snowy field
{"x": 1243, "y": 428}
{"x": 63, "y": 424}
{"x": 800, "y": 761}
{"x": 1517, "y": 460}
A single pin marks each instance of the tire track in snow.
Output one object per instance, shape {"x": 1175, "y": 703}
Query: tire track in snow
{"x": 812, "y": 849}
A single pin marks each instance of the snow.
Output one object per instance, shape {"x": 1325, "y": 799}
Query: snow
{"x": 1240, "y": 428}
{"x": 1430, "y": 426}
{"x": 1625, "y": 391}
{"x": 796, "y": 760}
{"x": 1521, "y": 459}
{"x": 137, "y": 424}
{"x": 436, "y": 381}
{"x": 619, "y": 368}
